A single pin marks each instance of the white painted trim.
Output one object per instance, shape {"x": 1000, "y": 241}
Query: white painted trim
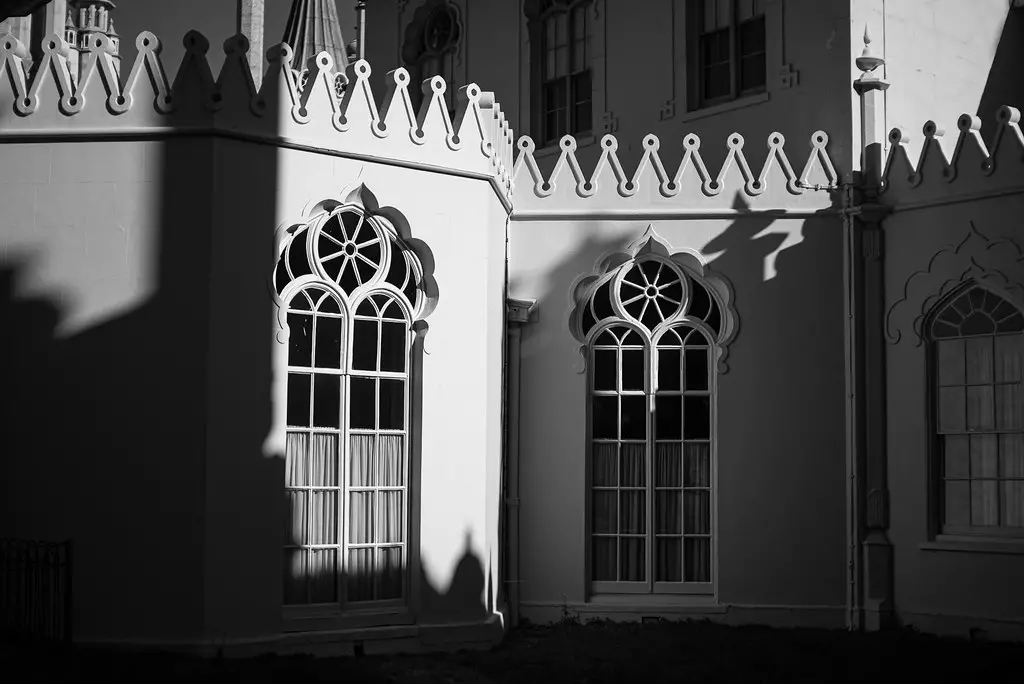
{"x": 665, "y": 214}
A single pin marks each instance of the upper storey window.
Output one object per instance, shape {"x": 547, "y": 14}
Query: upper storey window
{"x": 726, "y": 50}
{"x": 977, "y": 340}
{"x": 431, "y": 48}
{"x": 560, "y": 39}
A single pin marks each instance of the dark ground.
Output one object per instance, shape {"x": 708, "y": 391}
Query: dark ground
{"x": 597, "y": 652}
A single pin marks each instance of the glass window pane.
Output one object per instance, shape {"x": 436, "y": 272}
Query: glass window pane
{"x": 605, "y": 504}
{"x": 632, "y": 560}
{"x": 668, "y": 511}
{"x": 360, "y": 575}
{"x": 724, "y": 13}
{"x": 1009, "y": 407}
{"x": 605, "y": 369}
{"x": 294, "y": 573}
{"x": 980, "y": 408}
{"x": 632, "y": 511}
{"x": 300, "y": 338}
{"x": 328, "y": 342}
{"x": 323, "y": 524}
{"x": 950, "y": 361}
{"x": 562, "y": 61}
{"x": 1009, "y": 354}
{"x": 298, "y": 399}
{"x": 958, "y": 502}
{"x": 1011, "y": 512}
{"x": 697, "y": 418}
{"x": 668, "y": 417}
{"x": 633, "y": 372}
{"x": 1011, "y": 455}
{"x": 697, "y": 559}
{"x": 364, "y": 345}
{"x": 392, "y": 573}
{"x": 956, "y": 456}
{"x": 634, "y": 417}
{"x": 632, "y": 462}
{"x": 296, "y": 517}
{"x": 605, "y": 417}
{"x": 979, "y": 360}
{"x": 392, "y": 404}
{"x": 296, "y": 460}
{"x": 327, "y": 401}
{"x": 392, "y": 347}
{"x": 668, "y": 465}
{"x": 360, "y": 518}
{"x": 605, "y": 470}
{"x": 698, "y": 465}
{"x": 324, "y": 460}
{"x": 389, "y": 523}
{"x": 391, "y": 461}
{"x": 605, "y": 555}
{"x": 561, "y": 28}
{"x": 361, "y": 461}
{"x": 669, "y": 369}
{"x": 669, "y": 562}
{"x": 697, "y": 511}
{"x": 952, "y": 409}
{"x": 710, "y": 15}
{"x": 362, "y": 393}
{"x": 984, "y": 456}
{"x": 984, "y": 503}
{"x": 752, "y": 72}
{"x": 697, "y": 369}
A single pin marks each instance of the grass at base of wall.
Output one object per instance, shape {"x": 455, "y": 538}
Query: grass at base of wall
{"x": 571, "y": 652}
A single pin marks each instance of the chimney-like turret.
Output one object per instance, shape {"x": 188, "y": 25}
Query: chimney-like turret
{"x": 313, "y": 27}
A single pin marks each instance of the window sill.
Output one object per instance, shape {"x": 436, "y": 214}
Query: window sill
{"x": 975, "y": 545}
{"x": 585, "y": 141}
{"x": 669, "y": 603}
{"x": 738, "y": 103}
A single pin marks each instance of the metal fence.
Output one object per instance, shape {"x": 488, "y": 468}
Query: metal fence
{"x": 35, "y": 590}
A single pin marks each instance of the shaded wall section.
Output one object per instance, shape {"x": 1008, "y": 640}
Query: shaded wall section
{"x": 105, "y": 368}
{"x": 781, "y": 459}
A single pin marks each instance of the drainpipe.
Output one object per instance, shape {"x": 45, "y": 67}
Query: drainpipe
{"x": 361, "y": 28}
{"x": 518, "y": 313}
{"x": 852, "y": 414}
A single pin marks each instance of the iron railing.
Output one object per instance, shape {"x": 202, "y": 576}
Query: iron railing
{"x": 35, "y": 590}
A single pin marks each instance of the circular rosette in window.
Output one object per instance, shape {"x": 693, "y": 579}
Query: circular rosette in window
{"x": 652, "y": 292}
{"x": 349, "y": 249}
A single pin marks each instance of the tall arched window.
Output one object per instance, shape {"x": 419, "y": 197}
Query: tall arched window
{"x": 977, "y": 340}
{"x": 651, "y": 329}
{"x": 350, "y": 290}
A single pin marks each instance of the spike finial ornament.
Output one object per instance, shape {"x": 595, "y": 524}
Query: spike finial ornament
{"x": 868, "y": 60}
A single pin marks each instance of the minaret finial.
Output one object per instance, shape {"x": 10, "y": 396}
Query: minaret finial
{"x": 868, "y": 62}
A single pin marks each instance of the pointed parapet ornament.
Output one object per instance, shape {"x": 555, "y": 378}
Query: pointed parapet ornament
{"x": 869, "y": 87}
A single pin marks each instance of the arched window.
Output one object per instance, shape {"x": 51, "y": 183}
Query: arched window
{"x": 351, "y": 290}
{"x": 560, "y": 35}
{"x": 977, "y": 340}
{"x": 651, "y": 329}
{"x": 430, "y": 48}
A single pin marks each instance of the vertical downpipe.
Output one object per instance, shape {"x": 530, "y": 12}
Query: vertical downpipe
{"x": 850, "y": 351}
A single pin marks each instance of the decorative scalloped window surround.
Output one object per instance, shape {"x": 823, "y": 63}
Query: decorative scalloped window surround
{"x": 653, "y": 316}
{"x": 530, "y": 64}
{"x": 349, "y": 292}
{"x": 685, "y": 101}
{"x": 976, "y": 345}
{"x": 652, "y": 323}
{"x": 432, "y": 43}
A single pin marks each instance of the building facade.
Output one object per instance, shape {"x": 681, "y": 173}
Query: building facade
{"x": 716, "y": 338}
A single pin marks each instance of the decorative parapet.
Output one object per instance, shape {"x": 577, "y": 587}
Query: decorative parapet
{"x": 691, "y": 187}
{"x": 315, "y": 107}
{"x": 971, "y": 168}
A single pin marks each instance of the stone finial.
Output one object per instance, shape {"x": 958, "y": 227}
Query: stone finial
{"x": 868, "y": 61}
